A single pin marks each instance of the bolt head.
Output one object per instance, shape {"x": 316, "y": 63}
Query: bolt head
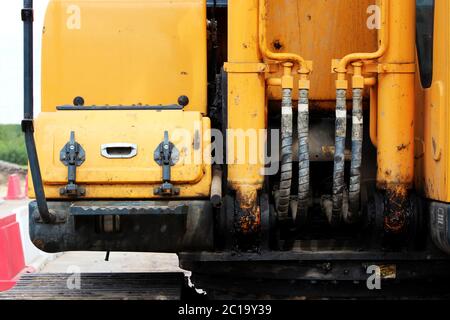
{"x": 183, "y": 101}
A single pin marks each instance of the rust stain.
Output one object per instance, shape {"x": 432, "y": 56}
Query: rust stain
{"x": 396, "y": 213}
{"x": 237, "y": 100}
{"x": 250, "y": 219}
{"x": 403, "y": 146}
{"x": 39, "y": 244}
{"x": 434, "y": 144}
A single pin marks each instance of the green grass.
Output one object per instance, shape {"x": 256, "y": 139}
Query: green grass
{"x": 12, "y": 144}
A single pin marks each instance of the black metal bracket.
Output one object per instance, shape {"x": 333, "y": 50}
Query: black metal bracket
{"x": 27, "y": 125}
{"x": 72, "y": 156}
{"x": 166, "y": 155}
{"x": 45, "y": 214}
{"x": 27, "y": 14}
{"x": 119, "y": 108}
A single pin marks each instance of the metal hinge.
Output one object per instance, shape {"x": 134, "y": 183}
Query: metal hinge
{"x": 73, "y": 156}
{"x": 166, "y": 155}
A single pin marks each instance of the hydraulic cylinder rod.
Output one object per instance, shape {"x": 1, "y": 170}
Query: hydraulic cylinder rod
{"x": 396, "y": 101}
{"x": 246, "y": 112}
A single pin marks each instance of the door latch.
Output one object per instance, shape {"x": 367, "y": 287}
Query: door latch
{"x": 73, "y": 156}
{"x": 166, "y": 155}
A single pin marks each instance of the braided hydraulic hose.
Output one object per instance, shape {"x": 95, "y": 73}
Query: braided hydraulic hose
{"x": 355, "y": 169}
{"x": 339, "y": 157}
{"x": 303, "y": 157}
{"x": 286, "y": 154}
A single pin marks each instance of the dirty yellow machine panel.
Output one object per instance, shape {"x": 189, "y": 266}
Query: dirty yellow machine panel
{"x": 324, "y": 30}
{"x": 120, "y": 149}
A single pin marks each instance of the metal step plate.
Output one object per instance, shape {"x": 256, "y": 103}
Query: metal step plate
{"x": 97, "y": 286}
{"x": 127, "y": 207}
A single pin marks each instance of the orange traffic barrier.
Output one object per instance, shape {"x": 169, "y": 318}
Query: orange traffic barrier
{"x": 14, "y": 191}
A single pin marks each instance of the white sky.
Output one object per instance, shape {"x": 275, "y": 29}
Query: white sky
{"x": 11, "y": 58}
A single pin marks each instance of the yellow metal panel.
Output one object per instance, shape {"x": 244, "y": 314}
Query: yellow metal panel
{"x": 319, "y": 30}
{"x": 124, "y": 52}
{"x": 396, "y": 100}
{"x": 246, "y": 93}
{"x": 435, "y": 163}
{"x": 130, "y": 177}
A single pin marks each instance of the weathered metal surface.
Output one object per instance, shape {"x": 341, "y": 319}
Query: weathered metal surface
{"x": 97, "y": 286}
{"x": 248, "y": 220}
{"x": 320, "y": 30}
{"x": 396, "y": 106}
{"x": 433, "y": 254}
{"x": 396, "y": 211}
{"x": 345, "y": 273}
{"x": 227, "y": 288}
{"x": 321, "y": 139}
{"x": 159, "y": 226}
{"x": 131, "y": 178}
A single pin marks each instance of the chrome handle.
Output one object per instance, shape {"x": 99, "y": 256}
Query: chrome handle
{"x": 119, "y": 150}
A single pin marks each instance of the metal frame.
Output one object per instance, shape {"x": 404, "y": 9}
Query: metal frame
{"x": 112, "y": 108}
{"x": 28, "y": 106}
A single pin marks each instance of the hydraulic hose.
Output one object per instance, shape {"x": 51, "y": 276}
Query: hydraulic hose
{"x": 355, "y": 168}
{"x": 303, "y": 157}
{"x": 287, "y": 122}
{"x": 339, "y": 157}
{"x": 286, "y": 154}
{"x": 341, "y": 115}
